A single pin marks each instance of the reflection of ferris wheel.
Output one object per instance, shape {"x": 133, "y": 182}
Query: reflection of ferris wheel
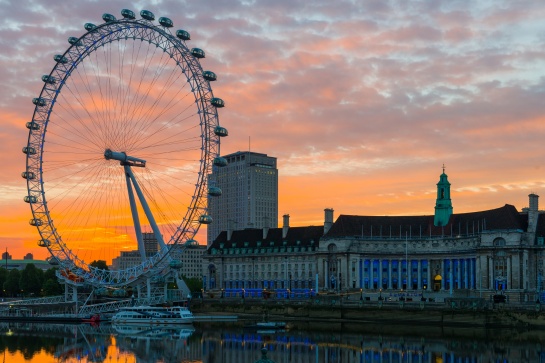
{"x": 124, "y": 124}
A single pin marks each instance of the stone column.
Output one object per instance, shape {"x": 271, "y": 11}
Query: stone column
{"x": 430, "y": 282}
{"x": 379, "y": 273}
{"x": 409, "y": 277}
{"x": 444, "y": 275}
{"x": 459, "y": 286}
{"x": 419, "y": 269}
{"x": 451, "y": 275}
{"x": 399, "y": 281}
{"x": 389, "y": 274}
{"x": 508, "y": 281}
{"x": 491, "y": 284}
{"x": 466, "y": 273}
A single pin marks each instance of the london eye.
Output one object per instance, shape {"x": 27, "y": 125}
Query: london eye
{"x": 124, "y": 135}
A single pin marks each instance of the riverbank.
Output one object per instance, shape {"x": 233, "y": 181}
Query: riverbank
{"x": 494, "y": 316}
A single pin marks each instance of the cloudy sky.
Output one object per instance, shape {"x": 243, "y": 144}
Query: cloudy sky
{"x": 362, "y": 102}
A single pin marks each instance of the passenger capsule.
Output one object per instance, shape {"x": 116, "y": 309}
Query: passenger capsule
{"x": 32, "y": 125}
{"x": 108, "y": 17}
{"x": 49, "y": 79}
{"x": 219, "y": 161}
{"x": 28, "y": 175}
{"x": 30, "y": 199}
{"x": 89, "y": 26}
{"x": 191, "y": 242}
{"x": 29, "y": 150}
{"x": 209, "y": 76}
{"x": 36, "y": 222}
{"x": 217, "y": 102}
{"x": 183, "y": 35}
{"x": 166, "y": 22}
{"x": 205, "y": 219}
{"x": 175, "y": 264}
{"x": 38, "y": 101}
{"x": 197, "y": 53}
{"x": 75, "y": 41}
{"x": 221, "y": 131}
{"x": 44, "y": 243}
{"x": 60, "y": 59}
{"x": 128, "y": 14}
{"x": 148, "y": 15}
{"x": 214, "y": 191}
{"x": 52, "y": 260}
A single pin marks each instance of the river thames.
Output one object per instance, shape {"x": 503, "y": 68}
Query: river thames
{"x": 234, "y": 343}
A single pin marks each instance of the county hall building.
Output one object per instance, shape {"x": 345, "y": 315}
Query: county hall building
{"x": 477, "y": 254}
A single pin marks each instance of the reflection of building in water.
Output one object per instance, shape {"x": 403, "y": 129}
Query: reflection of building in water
{"x": 217, "y": 345}
{"x": 478, "y": 254}
{"x": 333, "y": 348}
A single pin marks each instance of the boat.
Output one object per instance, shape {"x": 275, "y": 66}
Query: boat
{"x": 173, "y": 331}
{"x": 153, "y": 315}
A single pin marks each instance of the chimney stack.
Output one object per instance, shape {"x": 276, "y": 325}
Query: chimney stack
{"x": 286, "y": 225}
{"x": 328, "y": 219}
{"x": 533, "y": 212}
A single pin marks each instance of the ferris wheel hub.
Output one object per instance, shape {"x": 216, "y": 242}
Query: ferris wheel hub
{"x": 124, "y": 158}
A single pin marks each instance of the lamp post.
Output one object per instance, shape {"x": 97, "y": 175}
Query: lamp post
{"x": 361, "y": 294}
{"x": 288, "y": 294}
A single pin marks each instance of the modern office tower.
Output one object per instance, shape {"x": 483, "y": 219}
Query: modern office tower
{"x": 249, "y": 185}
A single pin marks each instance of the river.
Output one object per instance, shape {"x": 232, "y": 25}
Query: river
{"x": 304, "y": 342}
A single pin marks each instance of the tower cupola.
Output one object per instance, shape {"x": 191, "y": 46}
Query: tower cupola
{"x": 443, "y": 203}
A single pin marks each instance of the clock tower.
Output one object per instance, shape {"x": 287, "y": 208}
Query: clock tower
{"x": 443, "y": 204}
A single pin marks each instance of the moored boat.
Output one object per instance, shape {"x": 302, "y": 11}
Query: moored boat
{"x": 153, "y": 315}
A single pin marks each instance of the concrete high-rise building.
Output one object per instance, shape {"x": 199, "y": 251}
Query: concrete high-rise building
{"x": 249, "y": 199}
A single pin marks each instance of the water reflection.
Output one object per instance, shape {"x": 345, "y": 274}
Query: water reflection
{"x": 227, "y": 343}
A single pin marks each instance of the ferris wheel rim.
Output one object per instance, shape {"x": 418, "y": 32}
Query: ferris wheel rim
{"x": 88, "y": 43}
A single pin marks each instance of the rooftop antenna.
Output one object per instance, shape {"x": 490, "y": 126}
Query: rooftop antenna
{"x": 249, "y": 144}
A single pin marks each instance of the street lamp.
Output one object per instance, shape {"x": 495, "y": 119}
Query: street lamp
{"x": 288, "y": 294}
{"x": 361, "y": 294}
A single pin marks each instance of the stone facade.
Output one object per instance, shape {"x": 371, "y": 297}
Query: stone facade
{"x": 478, "y": 254}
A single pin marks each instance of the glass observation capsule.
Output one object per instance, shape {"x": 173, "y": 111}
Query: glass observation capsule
{"x": 89, "y": 26}
{"x": 166, "y": 22}
{"x": 28, "y": 175}
{"x": 219, "y": 161}
{"x": 30, "y": 199}
{"x": 148, "y": 15}
{"x": 209, "y": 76}
{"x": 108, "y": 17}
{"x": 29, "y": 150}
{"x": 128, "y": 14}
{"x": 217, "y": 102}
{"x": 36, "y": 222}
{"x": 175, "y": 264}
{"x": 197, "y": 53}
{"x": 38, "y": 101}
{"x": 214, "y": 191}
{"x": 205, "y": 219}
{"x": 60, "y": 59}
{"x": 183, "y": 35}
{"x": 44, "y": 243}
{"x": 221, "y": 131}
{"x": 49, "y": 79}
{"x": 31, "y": 125}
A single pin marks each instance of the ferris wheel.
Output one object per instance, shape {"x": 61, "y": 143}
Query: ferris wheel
{"x": 123, "y": 138}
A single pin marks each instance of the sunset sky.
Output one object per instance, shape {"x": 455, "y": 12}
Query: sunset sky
{"x": 362, "y": 102}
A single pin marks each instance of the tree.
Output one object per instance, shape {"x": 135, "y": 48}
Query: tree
{"x": 100, "y": 264}
{"x": 3, "y": 277}
{"x": 52, "y": 287}
{"x": 12, "y": 282}
{"x": 31, "y": 280}
{"x": 193, "y": 283}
